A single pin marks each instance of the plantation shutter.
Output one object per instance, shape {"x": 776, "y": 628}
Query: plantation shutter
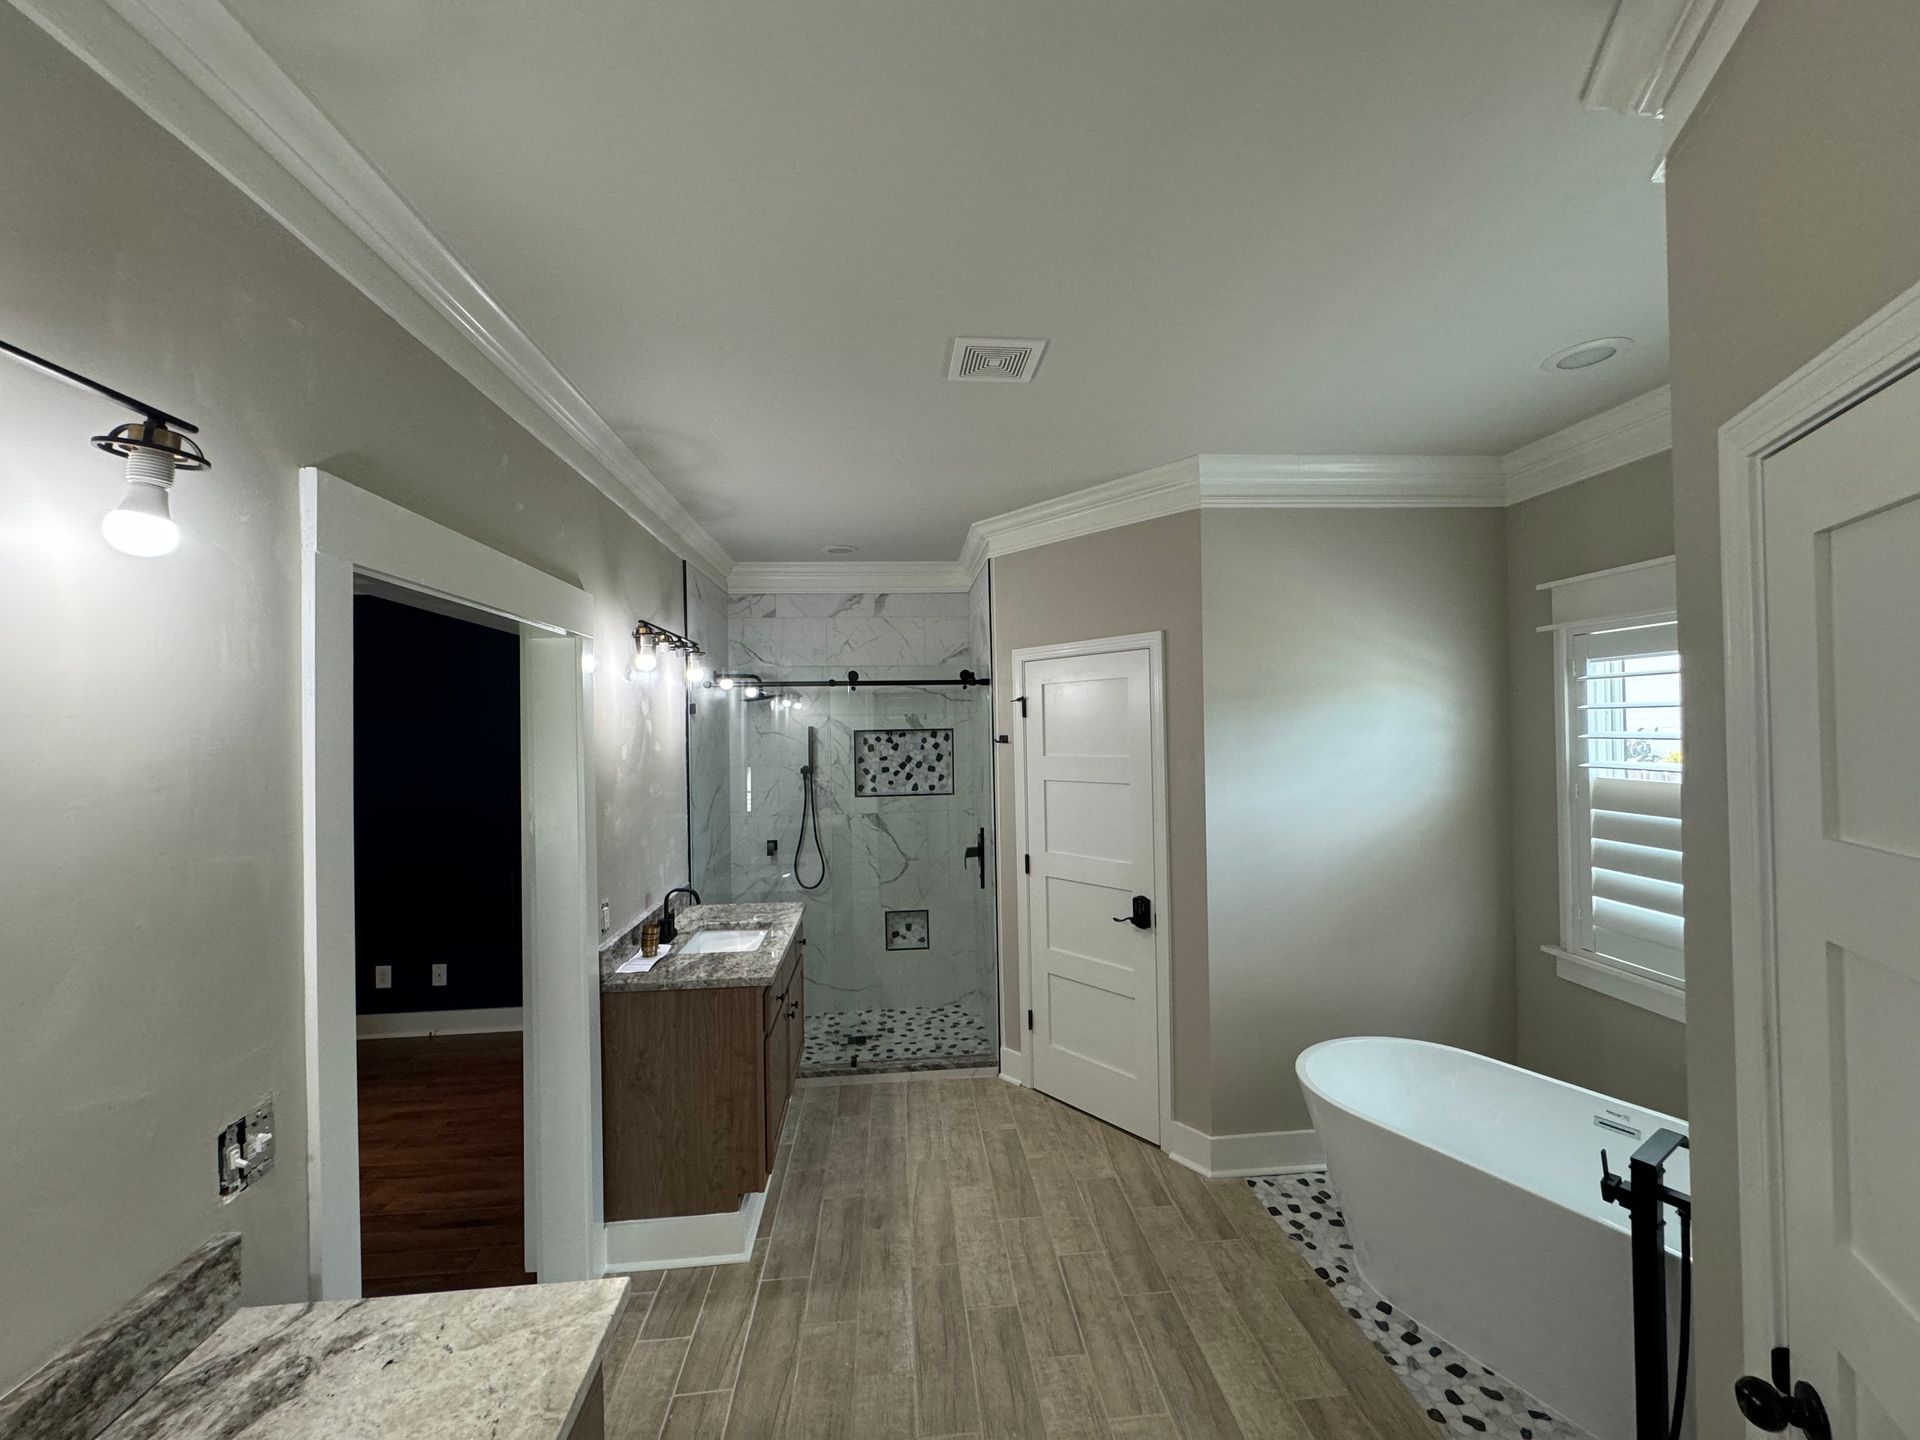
{"x": 1627, "y": 746}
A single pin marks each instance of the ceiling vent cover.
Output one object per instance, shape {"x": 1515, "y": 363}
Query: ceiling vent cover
{"x": 1010, "y": 361}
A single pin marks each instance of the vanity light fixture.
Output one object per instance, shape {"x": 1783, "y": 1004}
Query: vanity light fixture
{"x": 155, "y": 448}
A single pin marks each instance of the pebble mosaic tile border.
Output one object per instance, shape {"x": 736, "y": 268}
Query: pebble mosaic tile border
{"x": 894, "y": 1038}
{"x": 1459, "y": 1395}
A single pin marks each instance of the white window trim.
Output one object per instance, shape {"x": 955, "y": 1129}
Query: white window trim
{"x": 1606, "y": 599}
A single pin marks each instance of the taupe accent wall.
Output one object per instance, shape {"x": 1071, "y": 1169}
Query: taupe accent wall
{"x": 150, "y": 871}
{"x": 1120, "y": 582}
{"x": 1792, "y": 216}
{"x": 1356, "y": 791}
{"x": 1568, "y": 1030}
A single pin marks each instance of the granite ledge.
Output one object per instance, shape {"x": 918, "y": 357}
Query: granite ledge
{"x": 510, "y": 1364}
{"x": 745, "y": 968}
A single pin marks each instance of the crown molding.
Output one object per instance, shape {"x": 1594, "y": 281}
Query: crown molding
{"x": 1616, "y": 437}
{"x": 1658, "y": 57}
{"x": 847, "y": 577}
{"x": 1164, "y": 490}
{"x": 196, "y": 71}
{"x": 1349, "y": 482}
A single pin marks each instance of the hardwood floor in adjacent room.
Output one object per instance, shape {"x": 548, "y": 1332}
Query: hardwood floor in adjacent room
{"x": 442, "y": 1198}
{"x": 965, "y": 1258}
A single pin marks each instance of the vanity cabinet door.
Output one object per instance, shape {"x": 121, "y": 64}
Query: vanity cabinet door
{"x": 779, "y": 1083}
{"x": 797, "y": 1021}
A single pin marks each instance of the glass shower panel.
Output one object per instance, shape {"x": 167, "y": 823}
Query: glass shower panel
{"x": 901, "y": 938}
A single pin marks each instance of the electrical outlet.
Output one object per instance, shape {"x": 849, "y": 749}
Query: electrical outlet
{"x": 440, "y": 974}
{"x": 243, "y": 1151}
{"x": 383, "y": 977}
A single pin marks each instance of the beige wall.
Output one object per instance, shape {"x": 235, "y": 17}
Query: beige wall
{"x": 1356, "y": 790}
{"x": 1120, "y": 582}
{"x": 1791, "y": 217}
{"x": 1566, "y": 1029}
{"x": 149, "y": 864}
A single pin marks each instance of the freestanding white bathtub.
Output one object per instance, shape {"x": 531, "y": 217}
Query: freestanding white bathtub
{"x": 1472, "y": 1196}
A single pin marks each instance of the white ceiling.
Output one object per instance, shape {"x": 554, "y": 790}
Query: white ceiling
{"x": 747, "y": 230}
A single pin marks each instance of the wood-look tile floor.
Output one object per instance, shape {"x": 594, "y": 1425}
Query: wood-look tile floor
{"x": 966, "y": 1258}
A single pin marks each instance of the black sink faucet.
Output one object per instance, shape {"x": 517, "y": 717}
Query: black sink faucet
{"x": 667, "y": 928}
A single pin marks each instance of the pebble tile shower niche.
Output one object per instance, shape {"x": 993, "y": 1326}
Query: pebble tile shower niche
{"x": 900, "y": 930}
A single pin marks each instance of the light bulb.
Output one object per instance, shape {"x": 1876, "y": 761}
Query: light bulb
{"x": 142, "y": 525}
{"x": 697, "y": 671}
{"x": 645, "y": 657}
{"x": 752, "y": 692}
{"x": 726, "y": 682}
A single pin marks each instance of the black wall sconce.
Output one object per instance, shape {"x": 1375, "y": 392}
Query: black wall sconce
{"x": 650, "y": 639}
{"x": 155, "y": 448}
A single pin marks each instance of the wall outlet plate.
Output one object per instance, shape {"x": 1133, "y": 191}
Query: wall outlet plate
{"x": 383, "y": 977}
{"x": 440, "y": 974}
{"x": 243, "y": 1150}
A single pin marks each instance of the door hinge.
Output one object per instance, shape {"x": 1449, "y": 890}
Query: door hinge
{"x": 1029, "y": 1019}
{"x": 1026, "y": 864}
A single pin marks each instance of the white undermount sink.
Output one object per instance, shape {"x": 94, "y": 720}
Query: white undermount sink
{"x": 721, "y": 942}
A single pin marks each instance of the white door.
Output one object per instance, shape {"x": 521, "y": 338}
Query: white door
{"x": 1091, "y": 896}
{"x": 1842, "y": 599}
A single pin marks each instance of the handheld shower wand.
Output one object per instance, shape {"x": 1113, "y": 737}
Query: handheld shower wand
{"x": 809, "y": 807}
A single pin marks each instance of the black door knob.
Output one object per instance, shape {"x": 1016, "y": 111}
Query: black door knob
{"x": 1764, "y": 1407}
{"x": 1780, "y": 1403}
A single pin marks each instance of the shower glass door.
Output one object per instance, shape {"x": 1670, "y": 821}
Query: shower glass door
{"x": 894, "y": 862}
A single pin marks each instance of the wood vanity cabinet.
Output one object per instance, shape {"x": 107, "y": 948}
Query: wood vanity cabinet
{"x": 694, "y": 1087}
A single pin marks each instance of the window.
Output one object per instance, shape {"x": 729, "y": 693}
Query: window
{"x": 1622, "y": 766}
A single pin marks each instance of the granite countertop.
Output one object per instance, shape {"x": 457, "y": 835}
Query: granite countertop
{"x": 508, "y": 1364}
{"x": 780, "y": 918}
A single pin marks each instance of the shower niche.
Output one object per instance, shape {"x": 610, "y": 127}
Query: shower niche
{"x": 873, "y": 837}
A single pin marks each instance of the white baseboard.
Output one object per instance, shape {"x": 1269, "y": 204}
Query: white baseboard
{"x": 1234, "y": 1157}
{"x": 440, "y": 1022}
{"x": 675, "y": 1241}
{"x": 1013, "y": 1067}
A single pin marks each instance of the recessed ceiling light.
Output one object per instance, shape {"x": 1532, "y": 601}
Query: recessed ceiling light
{"x": 840, "y": 550}
{"x": 1587, "y": 353}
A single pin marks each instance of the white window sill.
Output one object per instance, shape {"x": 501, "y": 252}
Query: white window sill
{"x": 1621, "y": 982}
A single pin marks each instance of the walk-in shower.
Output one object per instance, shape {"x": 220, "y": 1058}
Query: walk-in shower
{"x": 843, "y": 757}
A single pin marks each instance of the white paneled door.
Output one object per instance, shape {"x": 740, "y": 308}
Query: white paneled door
{"x": 1842, "y": 613}
{"x": 1092, "y": 898}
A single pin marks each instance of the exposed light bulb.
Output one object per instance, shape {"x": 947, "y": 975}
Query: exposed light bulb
{"x": 143, "y": 524}
{"x": 752, "y": 692}
{"x": 697, "y": 672}
{"x": 645, "y": 658}
{"x": 726, "y": 682}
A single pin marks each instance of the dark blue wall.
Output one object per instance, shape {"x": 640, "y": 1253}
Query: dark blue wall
{"x": 436, "y": 793}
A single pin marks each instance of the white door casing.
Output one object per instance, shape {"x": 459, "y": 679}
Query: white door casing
{"x": 1091, "y": 814}
{"x": 346, "y": 531}
{"x": 1821, "y": 527}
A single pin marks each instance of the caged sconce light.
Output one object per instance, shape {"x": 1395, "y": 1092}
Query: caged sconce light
{"x": 155, "y": 448}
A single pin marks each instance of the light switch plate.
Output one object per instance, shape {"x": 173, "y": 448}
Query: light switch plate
{"x": 383, "y": 977}
{"x": 243, "y": 1150}
{"x": 440, "y": 974}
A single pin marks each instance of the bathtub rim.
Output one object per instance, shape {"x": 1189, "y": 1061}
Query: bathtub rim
{"x": 1606, "y": 1217}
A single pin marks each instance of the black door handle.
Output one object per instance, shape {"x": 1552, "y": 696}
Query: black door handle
{"x": 978, "y": 851}
{"x": 1775, "y": 1405}
{"x": 1142, "y": 916}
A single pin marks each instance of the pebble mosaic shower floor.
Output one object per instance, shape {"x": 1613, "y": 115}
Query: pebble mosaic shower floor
{"x": 1459, "y": 1395}
{"x": 895, "y": 1038}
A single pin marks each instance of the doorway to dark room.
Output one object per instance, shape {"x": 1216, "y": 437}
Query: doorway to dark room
{"x": 438, "y": 948}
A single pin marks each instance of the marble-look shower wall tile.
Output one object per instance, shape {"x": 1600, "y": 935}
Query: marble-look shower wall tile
{"x": 980, "y": 623}
{"x": 757, "y": 643}
{"x": 864, "y": 640}
{"x": 947, "y": 643}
